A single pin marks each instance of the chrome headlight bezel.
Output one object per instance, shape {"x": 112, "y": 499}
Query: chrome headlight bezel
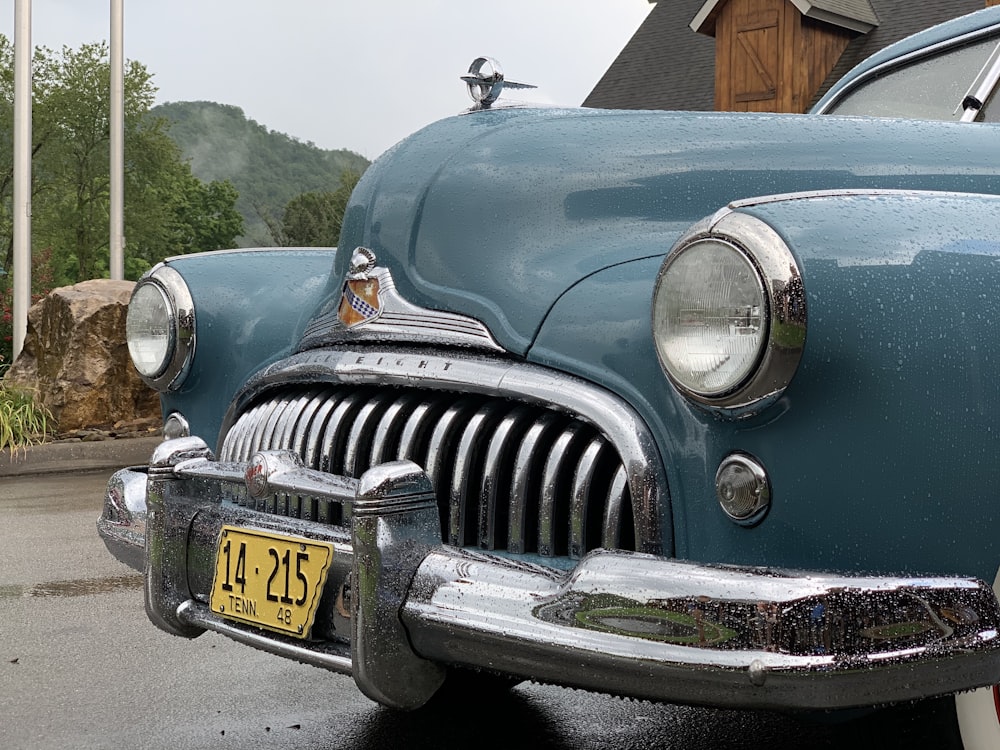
{"x": 769, "y": 368}
{"x": 169, "y": 372}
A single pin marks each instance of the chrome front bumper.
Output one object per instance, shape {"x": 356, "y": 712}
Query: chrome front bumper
{"x": 399, "y": 607}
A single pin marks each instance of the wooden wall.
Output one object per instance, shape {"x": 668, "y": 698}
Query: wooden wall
{"x": 769, "y": 58}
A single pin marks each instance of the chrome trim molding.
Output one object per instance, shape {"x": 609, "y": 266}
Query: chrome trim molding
{"x": 620, "y": 622}
{"x": 763, "y": 200}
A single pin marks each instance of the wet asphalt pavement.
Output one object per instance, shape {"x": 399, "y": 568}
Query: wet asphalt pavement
{"x": 81, "y": 667}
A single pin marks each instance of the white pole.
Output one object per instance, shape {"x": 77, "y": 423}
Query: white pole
{"x": 117, "y": 168}
{"x": 22, "y": 171}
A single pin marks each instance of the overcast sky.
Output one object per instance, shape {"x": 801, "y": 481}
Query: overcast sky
{"x": 354, "y": 74}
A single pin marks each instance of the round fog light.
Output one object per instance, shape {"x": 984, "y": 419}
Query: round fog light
{"x": 743, "y": 489}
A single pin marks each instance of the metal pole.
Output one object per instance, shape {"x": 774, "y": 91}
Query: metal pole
{"x": 22, "y": 171}
{"x": 117, "y": 168}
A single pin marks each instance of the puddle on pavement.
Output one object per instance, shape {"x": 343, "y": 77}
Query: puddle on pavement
{"x": 81, "y": 587}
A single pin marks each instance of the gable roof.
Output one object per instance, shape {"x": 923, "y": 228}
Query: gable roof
{"x": 856, "y": 15}
{"x": 666, "y": 65}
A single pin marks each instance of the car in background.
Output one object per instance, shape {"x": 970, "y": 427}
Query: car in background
{"x": 690, "y": 407}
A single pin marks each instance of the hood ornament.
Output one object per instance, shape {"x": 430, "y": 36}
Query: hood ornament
{"x": 359, "y": 301}
{"x": 485, "y": 82}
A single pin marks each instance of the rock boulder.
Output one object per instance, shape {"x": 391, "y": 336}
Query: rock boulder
{"x": 76, "y": 359}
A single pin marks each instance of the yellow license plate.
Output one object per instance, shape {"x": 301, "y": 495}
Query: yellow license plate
{"x": 269, "y": 580}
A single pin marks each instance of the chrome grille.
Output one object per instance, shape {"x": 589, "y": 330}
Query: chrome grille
{"x": 509, "y": 476}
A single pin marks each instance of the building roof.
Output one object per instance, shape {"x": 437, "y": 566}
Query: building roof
{"x": 667, "y": 65}
{"x": 664, "y": 66}
{"x": 856, "y": 15}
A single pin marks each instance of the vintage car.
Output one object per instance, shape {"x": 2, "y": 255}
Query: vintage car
{"x": 691, "y": 407}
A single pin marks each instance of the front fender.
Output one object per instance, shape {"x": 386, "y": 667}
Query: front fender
{"x": 886, "y": 451}
{"x": 882, "y": 451}
{"x": 251, "y": 307}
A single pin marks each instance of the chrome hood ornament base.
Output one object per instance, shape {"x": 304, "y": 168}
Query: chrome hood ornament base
{"x": 485, "y": 82}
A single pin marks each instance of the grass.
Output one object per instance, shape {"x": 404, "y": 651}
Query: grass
{"x": 23, "y": 422}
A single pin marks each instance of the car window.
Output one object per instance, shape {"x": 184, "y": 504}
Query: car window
{"x": 990, "y": 111}
{"x": 931, "y": 88}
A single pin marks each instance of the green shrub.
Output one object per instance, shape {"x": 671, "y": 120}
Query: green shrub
{"x": 22, "y": 421}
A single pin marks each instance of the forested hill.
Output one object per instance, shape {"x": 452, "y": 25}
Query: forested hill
{"x": 267, "y": 168}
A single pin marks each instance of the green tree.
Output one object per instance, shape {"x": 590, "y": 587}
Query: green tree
{"x": 168, "y": 211}
{"x": 314, "y": 219}
{"x": 177, "y": 213}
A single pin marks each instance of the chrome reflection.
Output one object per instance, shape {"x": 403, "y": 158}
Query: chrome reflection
{"x": 655, "y": 628}
{"x": 843, "y": 622}
{"x": 122, "y": 524}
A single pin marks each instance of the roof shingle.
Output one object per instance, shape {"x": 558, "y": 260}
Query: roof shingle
{"x": 664, "y": 66}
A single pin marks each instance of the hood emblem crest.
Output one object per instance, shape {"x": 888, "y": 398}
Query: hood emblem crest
{"x": 370, "y": 308}
{"x": 359, "y": 301}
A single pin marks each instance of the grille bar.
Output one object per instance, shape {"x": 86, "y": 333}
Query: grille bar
{"x": 512, "y": 476}
{"x": 416, "y": 404}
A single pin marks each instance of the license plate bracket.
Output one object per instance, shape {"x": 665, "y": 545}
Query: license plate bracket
{"x": 273, "y": 581}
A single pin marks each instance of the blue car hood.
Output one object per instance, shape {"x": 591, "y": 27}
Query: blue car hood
{"x": 496, "y": 214}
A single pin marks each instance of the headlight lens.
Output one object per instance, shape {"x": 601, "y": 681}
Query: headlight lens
{"x": 710, "y": 317}
{"x": 149, "y": 331}
{"x": 729, "y": 314}
{"x": 160, "y": 328}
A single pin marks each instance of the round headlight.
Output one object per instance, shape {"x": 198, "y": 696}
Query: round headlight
{"x": 148, "y": 330}
{"x": 160, "y": 328}
{"x": 729, "y": 314}
{"x": 710, "y": 317}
